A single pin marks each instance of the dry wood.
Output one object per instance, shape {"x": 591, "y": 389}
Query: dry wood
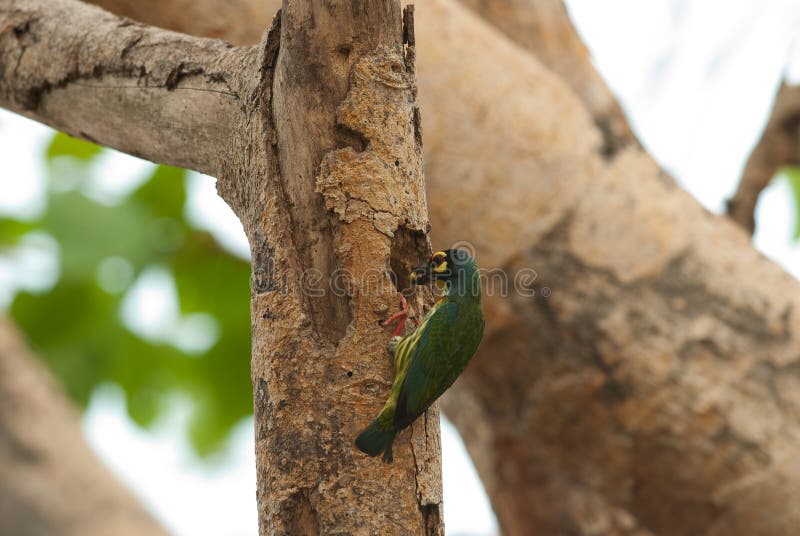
{"x": 50, "y": 481}
{"x": 240, "y": 22}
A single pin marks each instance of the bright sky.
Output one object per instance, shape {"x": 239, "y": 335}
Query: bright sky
{"x": 695, "y": 77}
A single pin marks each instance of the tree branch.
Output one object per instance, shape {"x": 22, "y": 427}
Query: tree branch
{"x": 240, "y": 22}
{"x": 151, "y": 93}
{"x": 544, "y": 28}
{"x": 779, "y": 146}
{"x": 656, "y": 377}
{"x": 50, "y": 482}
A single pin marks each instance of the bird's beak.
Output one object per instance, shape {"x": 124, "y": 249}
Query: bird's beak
{"x": 421, "y": 274}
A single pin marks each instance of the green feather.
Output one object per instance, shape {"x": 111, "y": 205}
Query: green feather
{"x": 377, "y": 438}
{"x": 428, "y": 360}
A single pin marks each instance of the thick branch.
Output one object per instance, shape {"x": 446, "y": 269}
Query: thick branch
{"x": 544, "y": 28}
{"x": 779, "y": 146}
{"x": 658, "y": 375}
{"x": 541, "y": 26}
{"x": 50, "y": 482}
{"x": 240, "y": 22}
{"x": 152, "y": 93}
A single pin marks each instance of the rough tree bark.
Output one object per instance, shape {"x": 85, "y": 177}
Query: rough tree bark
{"x": 779, "y": 146}
{"x": 338, "y": 187}
{"x": 50, "y": 481}
{"x": 655, "y": 390}
{"x": 314, "y": 136}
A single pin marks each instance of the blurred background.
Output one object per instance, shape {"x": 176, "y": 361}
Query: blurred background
{"x": 132, "y": 280}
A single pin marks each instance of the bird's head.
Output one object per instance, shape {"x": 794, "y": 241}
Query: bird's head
{"x": 447, "y": 266}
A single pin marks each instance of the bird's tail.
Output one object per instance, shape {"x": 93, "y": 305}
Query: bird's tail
{"x": 377, "y": 438}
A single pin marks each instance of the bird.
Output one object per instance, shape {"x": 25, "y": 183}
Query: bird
{"x": 430, "y": 358}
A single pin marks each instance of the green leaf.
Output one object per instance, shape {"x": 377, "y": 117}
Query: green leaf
{"x": 792, "y": 174}
{"x": 89, "y": 232}
{"x": 74, "y": 328}
{"x": 164, "y": 192}
{"x": 213, "y": 281}
{"x": 12, "y": 230}
{"x": 77, "y": 327}
{"x": 65, "y": 145}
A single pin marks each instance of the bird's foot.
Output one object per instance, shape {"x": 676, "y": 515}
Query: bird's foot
{"x": 401, "y": 315}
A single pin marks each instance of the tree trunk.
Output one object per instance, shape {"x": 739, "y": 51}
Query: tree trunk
{"x": 50, "y": 481}
{"x": 314, "y": 136}
{"x": 335, "y": 200}
{"x": 653, "y": 390}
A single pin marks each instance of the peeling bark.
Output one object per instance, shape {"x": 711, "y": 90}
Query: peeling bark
{"x": 50, "y": 481}
{"x": 779, "y": 146}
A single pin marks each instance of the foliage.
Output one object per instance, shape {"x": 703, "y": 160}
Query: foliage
{"x": 77, "y": 325}
{"x": 792, "y": 174}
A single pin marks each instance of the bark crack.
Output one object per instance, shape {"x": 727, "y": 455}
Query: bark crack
{"x": 131, "y": 44}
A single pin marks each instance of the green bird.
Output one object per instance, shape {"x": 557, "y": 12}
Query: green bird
{"x": 429, "y": 359}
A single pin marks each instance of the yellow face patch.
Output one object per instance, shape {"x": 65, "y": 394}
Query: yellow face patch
{"x": 439, "y": 261}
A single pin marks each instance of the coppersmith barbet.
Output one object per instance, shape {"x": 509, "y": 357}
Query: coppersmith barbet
{"x": 429, "y": 359}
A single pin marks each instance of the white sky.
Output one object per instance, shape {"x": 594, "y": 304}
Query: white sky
{"x": 695, "y": 77}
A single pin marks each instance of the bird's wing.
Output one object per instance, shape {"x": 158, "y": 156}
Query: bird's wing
{"x": 431, "y": 367}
